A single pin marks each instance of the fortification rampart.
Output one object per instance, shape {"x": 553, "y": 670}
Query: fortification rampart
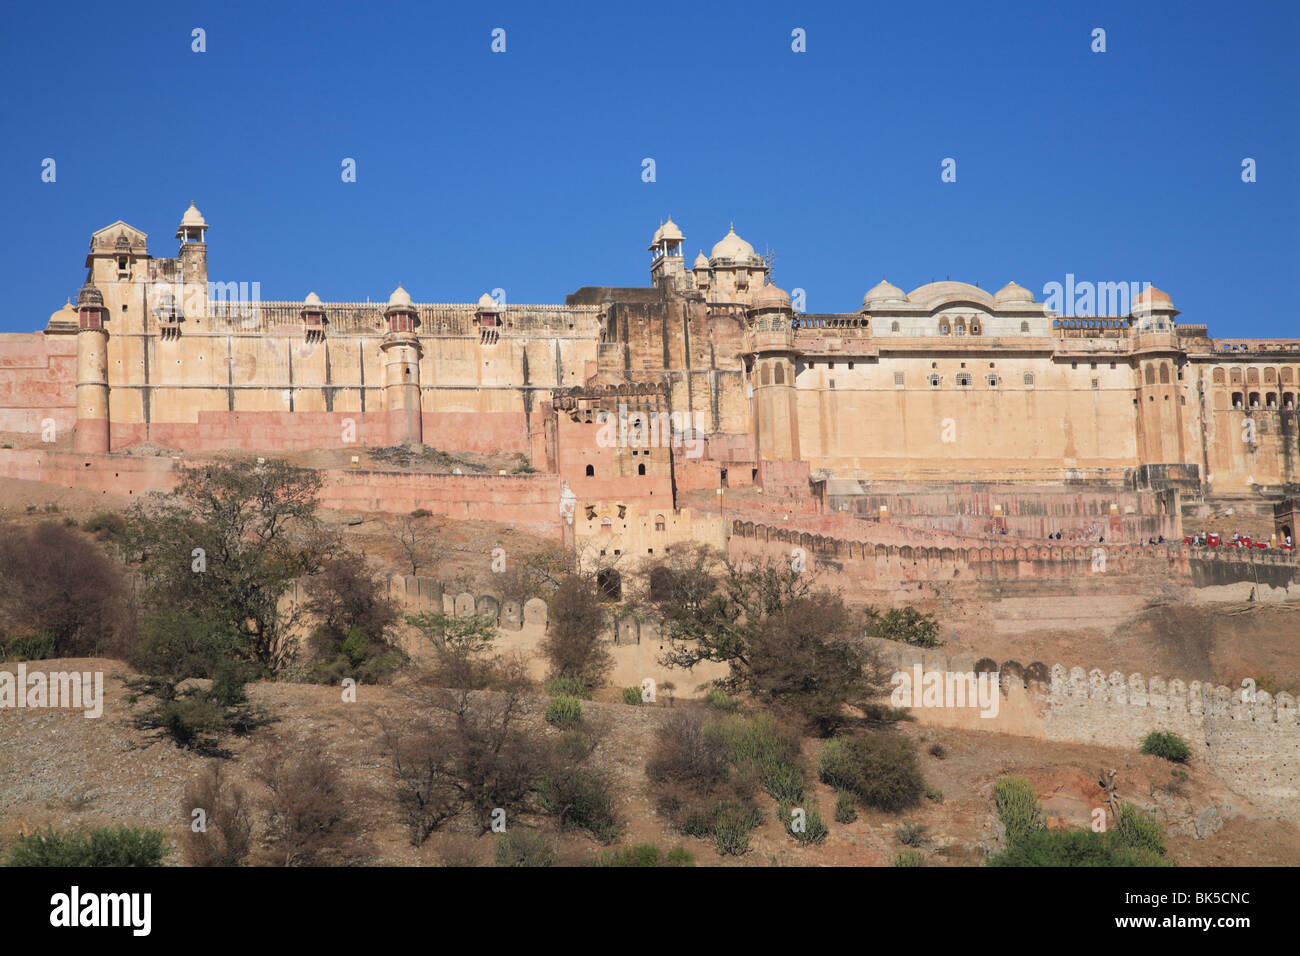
{"x": 1102, "y": 565}
{"x": 530, "y": 502}
{"x": 1248, "y": 737}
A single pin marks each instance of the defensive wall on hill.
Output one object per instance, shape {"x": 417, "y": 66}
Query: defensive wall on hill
{"x": 1248, "y": 737}
{"x": 1092, "y": 566}
{"x": 529, "y": 502}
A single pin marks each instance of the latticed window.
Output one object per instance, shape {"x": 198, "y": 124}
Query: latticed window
{"x": 963, "y": 378}
{"x": 1029, "y": 379}
{"x": 934, "y": 380}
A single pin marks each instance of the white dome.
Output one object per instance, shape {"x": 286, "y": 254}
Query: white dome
{"x": 1011, "y": 292}
{"x": 670, "y": 231}
{"x": 487, "y": 304}
{"x": 700, "y": 261}
{"x": 66, "y": 314}
{"x": 882, "y": 293}
{"x": 770, "y": 293}
{"x": 193, "y": 217}
{"x": 732, "y": 246}
{"x": 399, "y": 297}
{"x": 312, "y": 299}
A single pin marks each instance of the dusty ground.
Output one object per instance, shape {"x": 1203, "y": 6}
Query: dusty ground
{"x": 60, "y": 769}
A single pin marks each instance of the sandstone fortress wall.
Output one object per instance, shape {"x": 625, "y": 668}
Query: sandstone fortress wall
{"x": 1249, "y": 737}
{"x": 946, "y": 382}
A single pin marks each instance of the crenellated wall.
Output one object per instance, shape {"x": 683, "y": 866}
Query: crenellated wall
{"x": 1248, "y": 737}
{"x": 1092, "y": 568}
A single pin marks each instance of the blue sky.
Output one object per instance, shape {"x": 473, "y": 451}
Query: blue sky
{"x": 523, "y": 170}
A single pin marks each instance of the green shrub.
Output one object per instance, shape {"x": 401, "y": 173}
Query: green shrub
{"x": 563, "y": 712}
{"x": 122, "y": 846}
{"x": 32, "y": 647}
{"x": 908, "y": 858}
{"x": 906, "y": 625}
{"x": 679, "y": 856}
{"x": 717, "y": 698}
{"x": 517, "y": 847}
{"x": 879, "y": 768}
{"x": 1017, "y": 807}
{"x": 910, "y": 834}
{"x": 580, "y": 799}
{"x": 731, "y": 826}
{"x": 934, "y": 793}
{"x": 885, "y": 714}
{"x": 1058, "y": 848}
{"x": 1138, "y": 830}
{"x": 107, "y": 525}
{"x": 567, "y": 687}
{"x": 846, "y": 807}
{"x": 814, "y": 829}
{"x": 644, "y": 854}
{"x": 759, "y": 746}
{"x": 632, "y": 696}
{"x": 1170, "y": 746}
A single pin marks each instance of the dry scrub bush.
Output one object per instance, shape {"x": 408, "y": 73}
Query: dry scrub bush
{"x": 226, "y": 836}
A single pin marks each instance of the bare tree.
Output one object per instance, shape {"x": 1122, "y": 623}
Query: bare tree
{"x": 415, "y": 541}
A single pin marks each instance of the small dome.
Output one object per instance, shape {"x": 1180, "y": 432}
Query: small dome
{"x": 192, "y": 216}
{"x": 883, "y": 293}
{"x": 770, "y": 294}
{"x": 1154, "y": 297}
{"x": 731, "y": 246}
{"x": 700, "y": 261}
{"x": 66, "y": 314}
{"x": 90, "y": 296}
{"x": 312, "y": 299}
{"x": 1011, "y": 292}
{"x": 399, "y": 297}
{"x": 670, "y": 231}
{"x": 487, "y": 304}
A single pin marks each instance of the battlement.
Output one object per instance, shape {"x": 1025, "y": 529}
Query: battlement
{"x": 367, "y": 318}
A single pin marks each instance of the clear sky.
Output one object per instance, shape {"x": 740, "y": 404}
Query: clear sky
{"x": 523, "y": 169}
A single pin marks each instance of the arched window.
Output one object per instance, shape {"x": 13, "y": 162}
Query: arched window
{"x": 1219, "y": 377}
{"x": 767, "y": 376}
{"x": 606, "y": 526}
{"x": 1151, "y": 375}
{"x": 1286, "y": 376}
{"x": 591, "y": 471}
{"x": 1024, "y": 326}
{"x": 659, "y": 522}
{"x": 893, "y": 326}
{"x": 944, "y": 328}
{"x": 780, "y": 374}
{"x": 1270, "y": 376}
{"x": 1236, "y": 376}
{"x": 1252, "y": 376}
{"x": 1164, "y": 374}
{"x": 640, "y": 469}
{"x": 1236, "y": 400}
{"x": 1029, "y": 379}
